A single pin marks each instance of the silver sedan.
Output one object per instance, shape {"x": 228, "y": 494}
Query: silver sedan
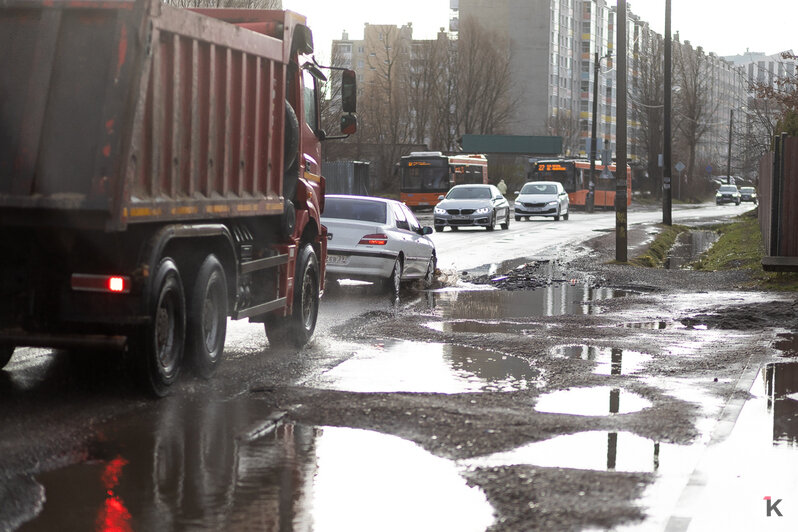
{"x": 376, "y": 239}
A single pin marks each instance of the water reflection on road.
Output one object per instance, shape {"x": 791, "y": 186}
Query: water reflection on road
{"x": 216, "y": 466}
{"x": 403, "y": 366}
{"x": 556, "y": 299}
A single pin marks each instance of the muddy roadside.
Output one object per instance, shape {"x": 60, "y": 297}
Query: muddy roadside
{"x": 650, "y": 354}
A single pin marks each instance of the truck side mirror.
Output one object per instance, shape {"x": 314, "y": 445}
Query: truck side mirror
{"x": 349, "y": 124}
{"x": 349, "y": 91}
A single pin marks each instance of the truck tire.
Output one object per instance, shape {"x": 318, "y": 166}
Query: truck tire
{"x": 207, "y": 318}
{"x": 6, "y": 350}
{"x": 162, "y": 341}
{"x": 297, "y": 329}
{"x": 290, "y": 148}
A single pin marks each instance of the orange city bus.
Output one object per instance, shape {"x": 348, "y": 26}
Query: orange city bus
{"x": 574, "y": 174}
{"x": 423, "y": 176}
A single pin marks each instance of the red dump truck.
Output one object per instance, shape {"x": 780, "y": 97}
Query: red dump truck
{"x": 159, "y": 173}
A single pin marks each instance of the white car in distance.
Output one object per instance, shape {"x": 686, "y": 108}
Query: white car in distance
{"x": 541, "y": 198}
{"x": 377, "y": 240}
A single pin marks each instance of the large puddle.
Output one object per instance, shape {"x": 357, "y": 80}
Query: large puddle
{"x": 592, "y": 450}
{"x": 595, "y": 401}
{"x": 403, "y": 366}
{"x": 198, "y": 469}
{"x": 688, "y": 248}
{"x": 608, "y": 360}
{"x": 758, "y": 459}
{"x": 557, "y": 299}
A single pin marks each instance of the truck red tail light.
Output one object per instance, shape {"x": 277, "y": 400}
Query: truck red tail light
{"x": 376, "y": 239}
{"x": 115, "y": 284}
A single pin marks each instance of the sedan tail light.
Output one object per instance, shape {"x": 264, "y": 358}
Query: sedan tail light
{"x": 376, "y": 239}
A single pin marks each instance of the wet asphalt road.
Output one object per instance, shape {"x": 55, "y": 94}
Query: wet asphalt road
{"x": 581, "y": 404}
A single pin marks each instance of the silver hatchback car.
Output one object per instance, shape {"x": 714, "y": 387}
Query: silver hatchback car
{"x": 542, "y": 198}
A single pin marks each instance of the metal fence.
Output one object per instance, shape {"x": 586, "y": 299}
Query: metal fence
{"x": 778, "y": 199}
{"x": 347, "y": 177}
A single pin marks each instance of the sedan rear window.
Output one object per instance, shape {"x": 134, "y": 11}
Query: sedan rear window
{"x": 355, "y": 209}
{"x": 469, "y": 193}
{"x": 539, "y": 188}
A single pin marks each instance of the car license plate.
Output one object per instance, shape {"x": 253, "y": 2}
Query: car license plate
{"x": 460, "y": 217}
{"x": 337, "y": 259}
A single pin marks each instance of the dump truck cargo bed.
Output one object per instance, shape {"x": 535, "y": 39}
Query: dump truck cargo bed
{"x": 120, "y": 112}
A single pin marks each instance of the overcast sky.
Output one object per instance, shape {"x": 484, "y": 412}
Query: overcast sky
{"x": 726, "y": 27}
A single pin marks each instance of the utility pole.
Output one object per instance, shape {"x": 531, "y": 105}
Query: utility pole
{"x": 666, "y": 130}
{"x": 728, "y": 162}
{"x": 620, "y": 135}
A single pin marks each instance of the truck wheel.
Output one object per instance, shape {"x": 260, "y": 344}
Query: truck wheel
{"x": 207, "y": 318}
{"x": 162, "y": 341}
{"x": 296, "y": 330}
{"x": 6, "y": 350}
{"x": 290, "y": 147}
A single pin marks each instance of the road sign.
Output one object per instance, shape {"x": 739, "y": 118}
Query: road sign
{"x": 680, "y": 166}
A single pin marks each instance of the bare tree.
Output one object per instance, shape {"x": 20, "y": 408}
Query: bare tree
{"x": 482, "y": 70}
{"x": 566, "y": 125}
{"x": 694, "y": 108}
{"x": 384, "y": 112}
{"x": 647, "y": 105}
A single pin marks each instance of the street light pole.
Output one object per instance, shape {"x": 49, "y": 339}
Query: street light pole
{"x": 621, "y": 252}
{"x": 728, "y": 160}
{"x": 666, "y": 129}
{"x": 592, "y": 185}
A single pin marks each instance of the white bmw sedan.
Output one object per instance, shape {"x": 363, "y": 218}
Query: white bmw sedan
{"x": 376, "y": 239}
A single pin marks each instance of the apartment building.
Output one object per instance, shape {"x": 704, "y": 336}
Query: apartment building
{"x": 553, "y": 45}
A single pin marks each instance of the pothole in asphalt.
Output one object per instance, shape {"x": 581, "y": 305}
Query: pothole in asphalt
{"x": 554, "y": 300}
{"x": 402, "y": 366}
{"x": 609, "y": 360}
{"x": 591, "y": 450}
{"x": 480, "y": 327}
{"x": 206, "y": 477}
{"x": 595, "y": 401}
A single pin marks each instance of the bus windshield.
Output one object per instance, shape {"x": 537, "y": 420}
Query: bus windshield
{"x": 562, "y": 171}
{"x": 425, "y": 176}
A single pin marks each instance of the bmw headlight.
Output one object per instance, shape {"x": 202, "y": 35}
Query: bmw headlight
{"x": 438, "y": 210}
{"x": 482, "y": 210}
{"x": 718, "y": 195}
